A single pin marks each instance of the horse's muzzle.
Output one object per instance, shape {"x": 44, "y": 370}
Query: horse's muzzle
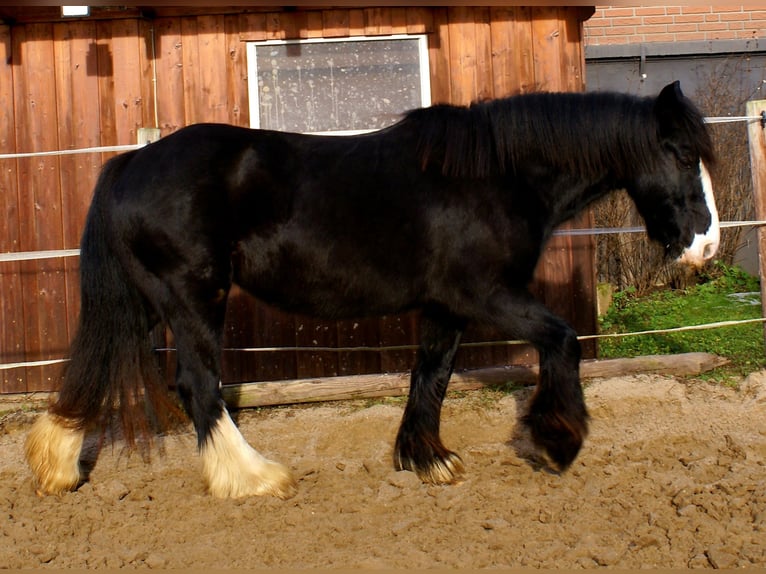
{"x": 703, "y": 248}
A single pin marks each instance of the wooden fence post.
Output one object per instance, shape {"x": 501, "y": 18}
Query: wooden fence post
{"x": 756, "y": 133}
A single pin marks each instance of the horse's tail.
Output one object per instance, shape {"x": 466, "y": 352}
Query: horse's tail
{"x": 112, "y": 364}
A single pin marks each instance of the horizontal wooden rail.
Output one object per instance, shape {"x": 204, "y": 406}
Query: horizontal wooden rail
{"x": 243, "y": 395}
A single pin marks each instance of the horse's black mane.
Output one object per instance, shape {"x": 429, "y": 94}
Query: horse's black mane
{"x": 585, "y": 133}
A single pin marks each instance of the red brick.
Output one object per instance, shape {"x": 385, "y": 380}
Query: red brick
{"x": 618, "y": 12}
{"x": 735, "y": 17}
{"x": 723, "y": 35}
{"x": 632, "y": 21}
{"x": 690, "y": 36}
{"x": 659, "y": 38}
{"x": 651, "y": 11}
{"x": 621, "y": 31}
{"x": 696, "y": 9}
{"x": 612, "y": 41}
{"x": 713, "y": 27}
{"x": 661, "y": 29}
{"x": 675, "y": 28}
{"x": 739, "y": 9}
{"x": 685, "y": 18}
{"x": 747, "y": 34}
{"x": 649, "y": 20}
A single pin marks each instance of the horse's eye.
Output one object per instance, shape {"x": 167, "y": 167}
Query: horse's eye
{"x": 687, "y": 164}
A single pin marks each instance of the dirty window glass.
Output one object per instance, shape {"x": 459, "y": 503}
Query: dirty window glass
{"x": 351, "y": 85}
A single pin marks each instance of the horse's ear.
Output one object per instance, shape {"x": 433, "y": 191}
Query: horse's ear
{"x": 671, "y": 93}
{"x": 669, "y": 102}
{"x": 669, "y": 109}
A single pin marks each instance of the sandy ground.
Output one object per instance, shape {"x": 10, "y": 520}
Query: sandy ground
{"x": 673, "y": 475}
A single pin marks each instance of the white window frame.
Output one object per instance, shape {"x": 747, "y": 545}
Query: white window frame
{"x": 252, "y": 71}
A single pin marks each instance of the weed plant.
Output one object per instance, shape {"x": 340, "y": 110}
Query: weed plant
{"x": 725, "y": 294}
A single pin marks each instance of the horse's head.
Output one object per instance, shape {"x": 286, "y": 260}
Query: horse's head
{"x": 676, "y": 197}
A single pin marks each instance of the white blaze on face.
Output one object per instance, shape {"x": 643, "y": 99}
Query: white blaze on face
{"x": 704, "y": 246}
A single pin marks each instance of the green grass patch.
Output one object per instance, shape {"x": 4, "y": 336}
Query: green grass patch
{"x": 727, "y": 295}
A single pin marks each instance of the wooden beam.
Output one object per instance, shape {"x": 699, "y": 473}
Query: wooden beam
{"x": 756, "y": 135}
{"x": 243, "y": 395}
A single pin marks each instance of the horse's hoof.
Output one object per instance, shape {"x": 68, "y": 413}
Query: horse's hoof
{"x": 53, "y": 450}
{"x": 271, "y": 479}
{"x": 560, "y": 439}
{"x": 446, "y": 469}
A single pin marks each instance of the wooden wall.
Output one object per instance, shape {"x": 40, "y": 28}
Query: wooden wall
{"x": 89, "y": 82}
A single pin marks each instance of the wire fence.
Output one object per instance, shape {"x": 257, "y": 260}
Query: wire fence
{"x": 51, "y": 254}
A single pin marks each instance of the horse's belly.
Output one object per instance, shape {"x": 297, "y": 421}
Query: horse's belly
{"x": 319, "y": 282}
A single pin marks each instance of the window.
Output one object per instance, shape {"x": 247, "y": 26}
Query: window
{"x": 338, "y": 86}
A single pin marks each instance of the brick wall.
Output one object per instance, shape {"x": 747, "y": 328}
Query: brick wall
{"x": 626, "y": 25}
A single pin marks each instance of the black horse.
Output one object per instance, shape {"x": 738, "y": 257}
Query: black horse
{"x": 446, "y": 211}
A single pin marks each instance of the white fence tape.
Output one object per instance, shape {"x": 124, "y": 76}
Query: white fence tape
{"x": 34, "y": 255}
{"x": 716, "y": 325}
{"x": 100, "y": 149}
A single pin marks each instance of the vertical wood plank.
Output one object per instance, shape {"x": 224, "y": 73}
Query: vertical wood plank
{"x": 212, "y": 95}
{"x": 524, "y": 50}
{"x": 235, "y": 59}
{"x": 78, "y": 127}
{"x": 295, "y": 25}
{"x": 127, "y": 44}
{"x": 756, "y": 134}
{"x": 147, "y": 35}
{"x": 462, "y": 55}
{"x": 483, "y": 47}
{"x": 438, "y": 58}
{"x": 360, "y": 333}
{"x": 100, "y": 53}
{"x": 377, "y": 21}
{"x": 253, "y": 27}
{"x": 40, "y": 218}
{"x": 191, "y": 75}
{"x": 396, "y": 330}
{"x": 546, "y": 30}
{"x": 356, "y": 22}
{"x": 398, "y": 20}
{"x": 504, "y": 74}
{"x": 335, "y": 23}
{"x": 253, "y": 324}
{"x": 12, "y": 333}
{"x": 572, "y": 53}
{"x": 314, "y": 25}
{"x": 274, "y": 28}
{"x": 309, "y": 333}
{"x": 419, "y": 20}
{"x": 170, "y": 72}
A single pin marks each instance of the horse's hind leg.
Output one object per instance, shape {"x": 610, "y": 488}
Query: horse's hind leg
{"x": 231, "y": 467}
{"x": 418, "y": 445}
{"x": 53, "y": 449}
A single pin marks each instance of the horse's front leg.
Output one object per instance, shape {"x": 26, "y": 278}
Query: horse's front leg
{"x": 418, "y": 445}
{"x": 557, "y": 417}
